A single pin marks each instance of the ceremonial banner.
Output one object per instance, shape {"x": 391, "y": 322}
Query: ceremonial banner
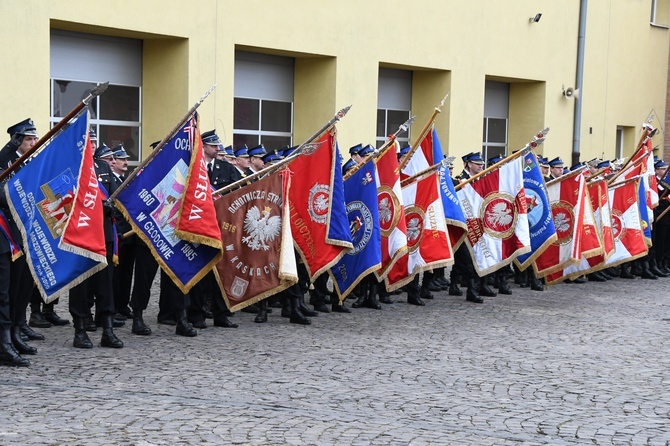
{"x": 152, "y": 204}
{"x": 495, "y": 208}
{"x": 258, "y": 259}
{"x": 540, "y": 221}
{"x": 645, "y": 211}
{"x": 427, "y": 239}
{"x": 318, "y": 217}
{"x": 626, "y": 224}
{"x": 430, "y": 153}
{"x": 567, "y": 195}
{"x": 391, "y": 212}
{"x": 56, "y": 203}
{"x": 196, "y": 219}
{"x": 360, "y": 191}
{"x": 597, "y": 193}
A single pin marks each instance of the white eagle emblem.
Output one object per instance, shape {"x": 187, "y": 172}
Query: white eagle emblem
{"x": 562, "y": 222}
{"x": 413, "y": 228}
{"x": 261, "y": 228}
{"x": 321, "y": 203}
{"x": 385, "y": 213}
{"x": 500, "y": 215}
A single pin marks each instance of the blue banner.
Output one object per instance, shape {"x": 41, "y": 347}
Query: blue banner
{"x": 360, "y": 192}
{"x": 540, "y": 219}
{"x": 151, "y": 203}
{"x": 644, "y": 211}
{"x": 40, "y": 197}
{"x": 338, "y": 228}
{"x": 452, "y": 207}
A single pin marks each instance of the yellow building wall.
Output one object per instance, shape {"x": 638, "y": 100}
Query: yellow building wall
{"x": 450, "y": 46}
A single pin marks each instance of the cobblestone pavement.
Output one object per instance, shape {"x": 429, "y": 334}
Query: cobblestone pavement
{"x": 576, "y": 364}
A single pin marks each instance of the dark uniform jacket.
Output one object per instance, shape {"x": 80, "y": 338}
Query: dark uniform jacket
{"x": 105, "y": 177}
{"x": 223, "y": 174}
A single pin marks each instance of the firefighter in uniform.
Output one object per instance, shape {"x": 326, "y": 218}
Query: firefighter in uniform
{"x": 463, "y": 266}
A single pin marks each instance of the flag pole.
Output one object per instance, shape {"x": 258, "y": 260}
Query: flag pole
{"x": 537, "y": 140}
{"x": 597, "y": 174}
{"x": 96, "y": 91}
{"x": 160, "y": 145}
{"x": 383, "y": 149}
{"x": 405, "y": 159}
{"x": 647, "y": 134}
{"x": 274, "y": 167}
{"x": 662, "y": 214}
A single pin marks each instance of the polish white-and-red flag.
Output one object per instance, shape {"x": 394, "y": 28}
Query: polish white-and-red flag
{"x": 427, "y": 238}
{"x": 567, "y": 195}
{"x": 590, "y": 261}
{"x": 428, "y": 154}
{"x": 495, "y": 210}
{"x": 627, "y": 229}
{"x": 391, "y": 211}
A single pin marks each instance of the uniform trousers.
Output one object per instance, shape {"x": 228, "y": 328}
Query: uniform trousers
{"x": 99, "y": 285}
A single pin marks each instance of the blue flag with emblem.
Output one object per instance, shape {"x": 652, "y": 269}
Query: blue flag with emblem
{"x": 360, "y": 193}
{"x": 453, "y": 213}
{"x": 42, "y": 196}
{"x": 152, "y": 204}
{"x": 644, "y": 212}
{"x": 540, "y": 218}
{"x": 338, "y": 228}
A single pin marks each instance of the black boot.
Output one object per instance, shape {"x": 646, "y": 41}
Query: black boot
{"x": 29, "y": 333}
{"x": 37, "y": 320}
{"x": 8, "y": 354}
{"x": 51, "y": 316}
{"x": 646, "y": 273}
{"x": 471, "y": 295}
{"x": 484, "y": 289}
{"x": 338, "y": 307}
{"x": 89, "y": 324}
{"x": 625, "y": 272}
{"x": 21, "y": 346}
{"x": 371, "y": 301}
{"x": 454, "y": 289}
{"x": 304, "y": 309}
{"x": 109, "y": 339}
{"x": 296, "y": 315}
{"x": 139, "y": 327}
{"x": 535, "y": 283}
{"x": 359, "y": 292}
{"x": 655, "y": 270}
{"x": 262, "y": 316}
{"x": 318, "y": 301}
{"x": 415, "y": 299}
{"x": 223, "y": 321}
{"x": 184, "y": 328}
{"x": 81, "y": 339}
{"x": 384, "y": 295}
{"x": 503, "y": 286}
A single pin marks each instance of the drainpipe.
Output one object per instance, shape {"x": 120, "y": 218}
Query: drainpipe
{"x": 577, "y": 126}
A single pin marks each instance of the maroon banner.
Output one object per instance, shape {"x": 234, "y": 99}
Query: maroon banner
{"x": 258, "y": 259}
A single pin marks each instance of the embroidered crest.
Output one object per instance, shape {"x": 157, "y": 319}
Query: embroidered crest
{"x": 319, "y": 203}
{"x": 261, "y": 227}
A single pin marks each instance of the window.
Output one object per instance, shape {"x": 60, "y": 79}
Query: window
{"x": 78, "y": 63}
{"x": 660, "y": 10}
{"x": 394, "y": 101}
{"x": 263, "y": 104}
{"x": 496, "y": 119}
